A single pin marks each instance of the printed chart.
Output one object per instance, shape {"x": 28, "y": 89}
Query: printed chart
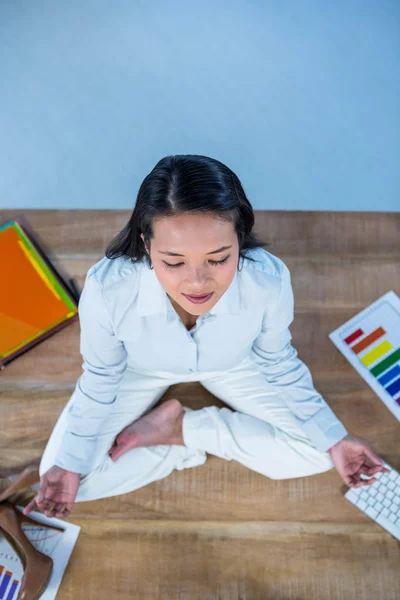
{"x": 57, "y": 545}
{"x": 371, "y": 343}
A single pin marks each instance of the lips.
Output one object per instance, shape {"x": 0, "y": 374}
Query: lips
{"x": 199, "y": 299}
{"x": 198, "y": 295}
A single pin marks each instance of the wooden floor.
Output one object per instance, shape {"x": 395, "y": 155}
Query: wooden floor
{"x": 220, "y": 531}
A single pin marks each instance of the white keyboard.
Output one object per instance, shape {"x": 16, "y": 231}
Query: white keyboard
{"x": 380, "y": 500}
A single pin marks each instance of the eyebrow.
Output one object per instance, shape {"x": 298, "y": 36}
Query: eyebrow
{"x": 213, "y": 252}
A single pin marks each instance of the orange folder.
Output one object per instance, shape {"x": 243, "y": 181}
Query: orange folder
{"x": 35, "y": 302}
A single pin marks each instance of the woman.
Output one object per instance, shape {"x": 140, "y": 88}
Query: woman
{"x": 142, "y": 330}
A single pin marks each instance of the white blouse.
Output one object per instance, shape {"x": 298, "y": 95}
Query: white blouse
{"x": 127, "y": 320}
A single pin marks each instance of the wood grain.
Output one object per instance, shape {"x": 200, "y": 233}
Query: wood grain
{"x": 221, "y": 531}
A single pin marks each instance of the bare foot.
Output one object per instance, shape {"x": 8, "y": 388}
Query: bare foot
{"x": 162, "y": 425}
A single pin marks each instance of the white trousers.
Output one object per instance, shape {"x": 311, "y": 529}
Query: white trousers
{"x": 260, "y": 432}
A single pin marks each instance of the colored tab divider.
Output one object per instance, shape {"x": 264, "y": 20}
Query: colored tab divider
{"x": 379, "y": 351}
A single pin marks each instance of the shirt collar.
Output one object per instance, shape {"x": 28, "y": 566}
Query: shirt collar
{"x": 152, "y": 298}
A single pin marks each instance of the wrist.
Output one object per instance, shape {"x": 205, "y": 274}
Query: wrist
{"x": 338, "y": 443}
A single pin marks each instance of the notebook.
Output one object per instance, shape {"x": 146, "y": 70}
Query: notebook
{"x": 35, "y": 301}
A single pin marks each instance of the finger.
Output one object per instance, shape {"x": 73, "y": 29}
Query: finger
{"x": 43, "y": 504}
{"x": 369, "y": 463}
{"x": 350, "y": 480}
{"x": 366, "y": 470}
{"x": 61, "y": 515}
{"x": 30, "y": 507}
{"x": 47, "y": 507}
{"x": 60, "y": 509}
{"x": 362, "y": 482}
{"x": 355, "y": 480}
{"x": 62, "y": 512}
{"x": 48, "y": 511}
{"x": 369, "y": 453}
{"x": 42, "y": 491}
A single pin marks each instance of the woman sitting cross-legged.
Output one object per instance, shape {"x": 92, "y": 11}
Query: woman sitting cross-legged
{"x": 186, "y": 292}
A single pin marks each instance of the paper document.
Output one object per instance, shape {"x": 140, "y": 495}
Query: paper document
{"x": 371, "y": 343}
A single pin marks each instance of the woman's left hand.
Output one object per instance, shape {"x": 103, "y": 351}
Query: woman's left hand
{"x": 352, "y": 457}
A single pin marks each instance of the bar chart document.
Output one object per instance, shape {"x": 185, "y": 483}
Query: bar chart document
{"x": 57, "y": 545}
{"x": 371, "y": 343}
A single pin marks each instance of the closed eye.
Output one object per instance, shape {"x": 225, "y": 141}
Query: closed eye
{"x": 212, "y": 262}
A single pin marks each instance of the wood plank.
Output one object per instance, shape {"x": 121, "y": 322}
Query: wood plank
{"x": 58, "y": 359}
{"x": 298, "y": 233}
{"x": 338, "y": 282}
{"x": 359, "y": 409}
{"x": 221, "y": 531}
{"x": 218, "y": 490}
{"x": 247, "y": 561}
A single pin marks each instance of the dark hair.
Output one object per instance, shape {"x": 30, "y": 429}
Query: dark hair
{"x": 186, "y": 183}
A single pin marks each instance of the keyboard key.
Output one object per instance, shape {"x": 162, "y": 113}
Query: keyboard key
{"x": 392, "y": 475}
{"x": 383, "y": 489}
{"x": 362, "y": 505}
{"x": 391, "y": 485}
{"x": 393, "y": 508}
{"x": 371, "y": 501}
{"x": 373, "y": 492}
{"x": 380, "y": 497}
{"x": 364, "y": 495}
{"x": 389, "y": 525}
{"x": 378, "y": 506}
{"x": 352, "y": 496}
{"x": 392, "y": 518}
{"x": 390, "y": 495}
{"x": 396, "y": 500}
{"x": 386, "y": 502}
{"x": 371, "y": 512}
{"x": 385, "y": 512}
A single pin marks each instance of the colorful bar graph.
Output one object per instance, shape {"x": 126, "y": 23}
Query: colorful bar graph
{"x": 370, "y": 340}
{"x": 13, "y": 589}
{"x": 372, "y": 337}
{"x": 385, "y": 364}
{"x": 4, "y": 585}
{"x": 375, "y": 353}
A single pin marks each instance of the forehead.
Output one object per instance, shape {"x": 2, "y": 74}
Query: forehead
{"x": 190, "y": 229}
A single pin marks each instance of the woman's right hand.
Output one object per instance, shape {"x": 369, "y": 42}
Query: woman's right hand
{"x": 57, "y": 492}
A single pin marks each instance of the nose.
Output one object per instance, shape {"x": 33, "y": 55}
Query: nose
{"x": 197, "y": 280}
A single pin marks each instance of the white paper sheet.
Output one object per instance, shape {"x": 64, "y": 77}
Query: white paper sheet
{"x": 379, "y": 362}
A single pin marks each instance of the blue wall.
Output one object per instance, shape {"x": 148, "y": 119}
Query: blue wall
{"x": 299, "y": 98}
